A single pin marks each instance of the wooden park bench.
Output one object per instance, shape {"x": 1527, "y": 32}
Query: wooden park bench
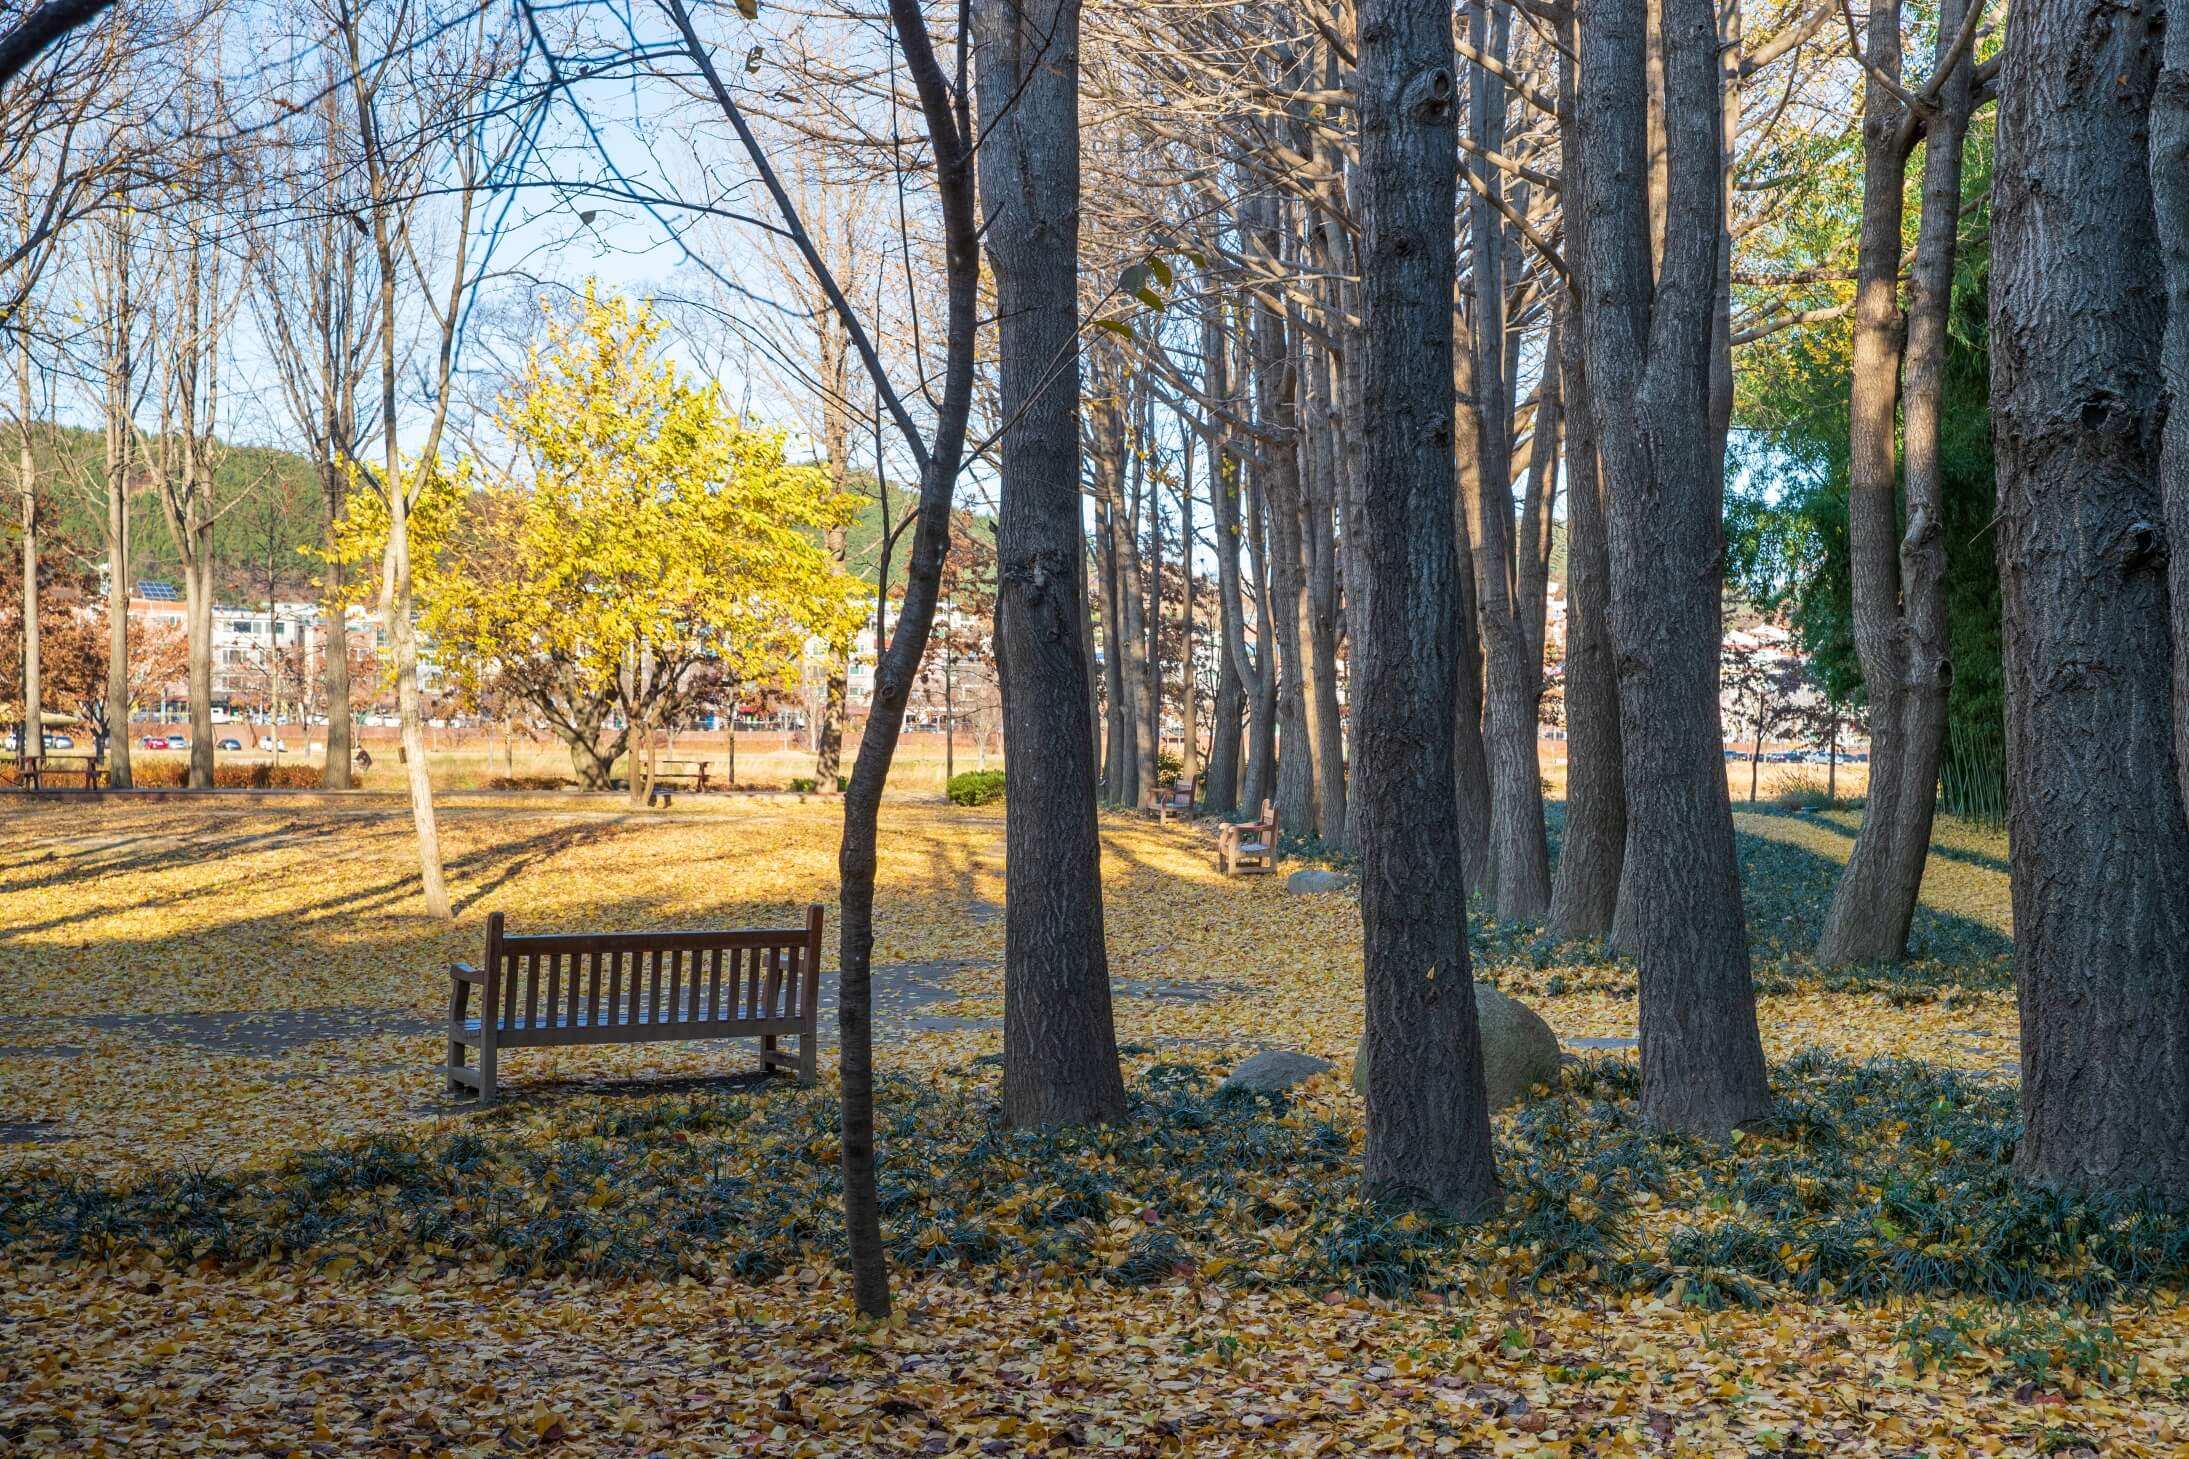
{"x": 1250, "y": 847}
{"x": 1176, "y": 799}
{"x": 673, "y": 775}
{"x": 566, "y": 990}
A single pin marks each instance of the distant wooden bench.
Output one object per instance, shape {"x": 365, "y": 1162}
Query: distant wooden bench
{"x": 1249, "y": 848}
{"x": 1176, "y": 799}
{"x": 33, "y": 772}
{"x": 674, "y": 775}
{"x": 565, "y": 990}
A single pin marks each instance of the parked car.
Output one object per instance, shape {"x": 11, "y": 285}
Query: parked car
{"x": 231, "y": 744}
{"x": 60, "y": 742}
{"x": 154, "y": 742}
{"x": 178, "y": 742}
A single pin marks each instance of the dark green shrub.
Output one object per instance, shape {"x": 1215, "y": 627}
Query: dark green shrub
{"x": 976, "y": 787}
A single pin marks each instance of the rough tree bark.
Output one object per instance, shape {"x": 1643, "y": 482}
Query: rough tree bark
{"x": 2101, "y": 842}
{"x": 1221, "y": 794}
{"x": 1899, "y": 574}
{"x": 1428, "y": 1117}
{"x": 1277, "y": 381}
{"x": 119, "y": 374}
{"x": 1471, "y": 757}
{"x": 1520, "y": 871}
{"x": 1189, "y": 758}
{"x": 2170, "y": 189}
{"x": 1649, "y": 365}
{"x": 26, "y": 468}
{"x": 1585, "y": 892}
{"x": 1059, "y": 1042}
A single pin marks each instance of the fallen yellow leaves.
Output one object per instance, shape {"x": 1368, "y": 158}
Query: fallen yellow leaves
{"x": 163, "y": 910}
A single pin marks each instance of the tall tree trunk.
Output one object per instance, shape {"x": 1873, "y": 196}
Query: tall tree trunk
{"x": 1144, "y": 577}
{"x": 1059, "y": 1042}
{"x": 1278, "y": 380}
{"x": 2170, "y": 189}
{"x": 1585, "y": 892}
{"x": 1221, "y": 796}
{"x": 395, "y": 598}
{"x": 1261, "y": 762}
{"x": 335, "y": 672}
{"x": 1104, "y": 579}
{"x": 118, "y": 771}
{"x": 1428, "y": 1116}
{"x": 1898, "y": 578}
{"x": 2100, "y": 838}
{"x": 1189, "y": 767}
{"x": 1470, "y": 756}
{"x": 1520, "y": 871}
{"x": 34, "y": 724}
{"x": 1649, "y": 365}
{"x": 26, "y": 480}
{"x": 197, "y": 607}
{"x": 1319, "y": 635}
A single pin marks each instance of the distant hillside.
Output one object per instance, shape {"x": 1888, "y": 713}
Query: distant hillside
{"x": 863, "y": 542}
{"x": 268, "y": 499}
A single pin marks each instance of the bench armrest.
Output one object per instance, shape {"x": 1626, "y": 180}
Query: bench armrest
{"x": 466, "y": 973}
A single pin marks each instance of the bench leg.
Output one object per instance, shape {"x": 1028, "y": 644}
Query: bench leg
{"x": 767, "y": 1053}
{"x": 809, "y": 1058}
{"x": 486, "y": 1073}
{"x": 459, "y": 1000}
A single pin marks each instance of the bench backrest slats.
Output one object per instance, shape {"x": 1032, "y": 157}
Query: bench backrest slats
{"x": 631, "y": 980}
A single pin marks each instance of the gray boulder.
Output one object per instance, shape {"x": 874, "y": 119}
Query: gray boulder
{"x": 1315, "y": 879}
{"x": 1518, "y": 1049}
{"x": 1274, "y": 1069}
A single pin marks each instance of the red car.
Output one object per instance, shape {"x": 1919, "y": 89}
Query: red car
{"x": 154, "y": 742}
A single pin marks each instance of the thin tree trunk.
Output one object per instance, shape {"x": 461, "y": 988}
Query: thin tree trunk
{"x": 1470, "y": 756}
{"x": 1278, "y": 379}
{"x": 1319, "y": 635}
{"x": 1221, "y": 796}
{"x": 1189, "y": 755}
{"x": 1519, "y": 858}
{"x": 2100, "y": 839}
{"x": 1059, "y": 1042}
{"x": 1585, "y": 891}
{"x": 120, "y": 374}
{"x": 119, "y": 774}
{"x": 410, "y": 714}
{"x": 197, "y": 594}
{"x": 335, "y": 673}
{"x": 26, "y": 466}
{"x": 1904, "y": 670}
{"x": 1428, "y": 1117}
{"x": 1649, "y": 365}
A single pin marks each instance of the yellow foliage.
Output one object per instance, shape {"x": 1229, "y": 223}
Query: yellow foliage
{"x": 653, "y": 520}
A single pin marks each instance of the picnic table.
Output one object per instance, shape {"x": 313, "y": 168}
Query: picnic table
{"x": 33, "y": 771}
{"x": 670, "y": 776}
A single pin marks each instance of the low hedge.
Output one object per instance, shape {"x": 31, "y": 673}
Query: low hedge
{"x": 976, "y": 787}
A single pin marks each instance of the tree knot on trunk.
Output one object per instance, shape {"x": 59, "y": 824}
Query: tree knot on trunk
{"x": 2143, "y": 547}
{"x": 1428, "y": 96}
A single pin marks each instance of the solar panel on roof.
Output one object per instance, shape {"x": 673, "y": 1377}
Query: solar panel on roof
{"x": 155, "y": 591}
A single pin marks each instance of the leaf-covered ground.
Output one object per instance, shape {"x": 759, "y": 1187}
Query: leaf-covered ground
{"x": 223, "y": 1231}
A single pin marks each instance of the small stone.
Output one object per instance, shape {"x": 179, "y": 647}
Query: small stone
{"x": 1315, "y": 879}
{"x": 1274, "y": 1069}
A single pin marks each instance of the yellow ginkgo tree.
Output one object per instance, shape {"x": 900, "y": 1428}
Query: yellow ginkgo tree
{"x": 652, "y": 553}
